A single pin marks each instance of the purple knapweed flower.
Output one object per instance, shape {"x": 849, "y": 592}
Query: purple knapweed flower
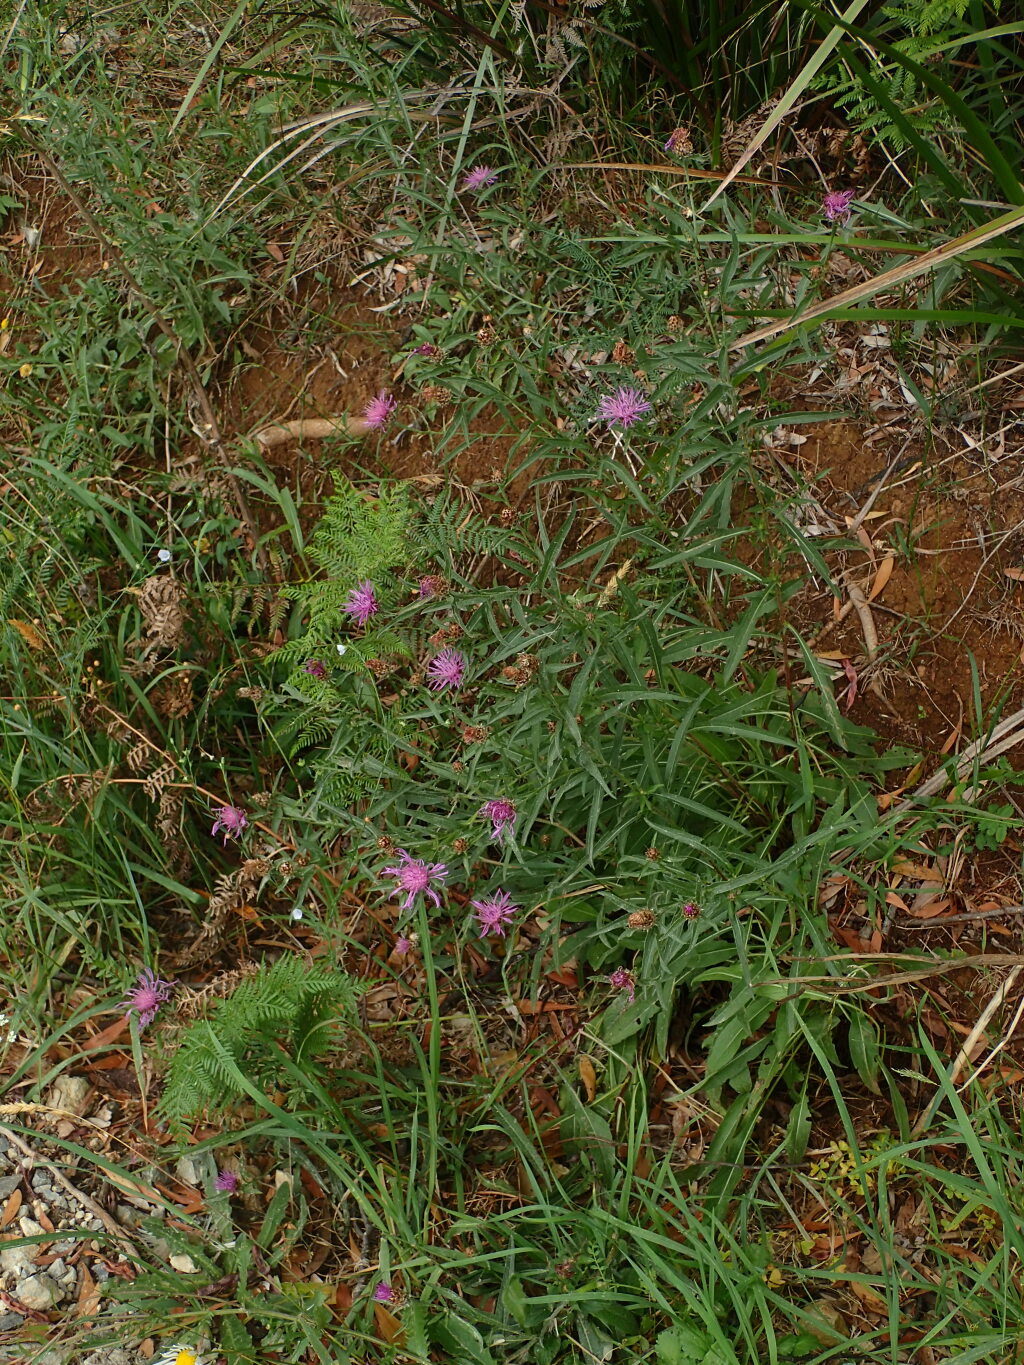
{"x": 836, "y": 205}
{"x": 379, "y": 409}
{"x": 226, "y": 1182}
{"x": 690, "y": 911}
{"x": 232, "y": 820}
{"x": 623, "y": 980}
{"x": 414, "y": 876}
{"x": 494, "y": 912}
{"x": 383, "y": 1293}
{"x": 316, "y": 668}
{"x": 403, "y": 945}
{"x": 502, "y": 815}
{"x": 478, "y": 178}
{"x": 430, "y": 585}
{"x": 679, "y": 140}
{"x": 623, "y": 407}
{"x": 146, "y": 996}
{"x": 428, "y": 349}
{"x": 446, "y": 670}
{"x": 362, "y": 603}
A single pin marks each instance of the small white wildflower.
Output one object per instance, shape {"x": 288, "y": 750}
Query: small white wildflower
{"x": 180, "y": 1355}
{"x": 164, "y": 556}
{"x": 342, "y": 649}
{"x": 297, "y": 913}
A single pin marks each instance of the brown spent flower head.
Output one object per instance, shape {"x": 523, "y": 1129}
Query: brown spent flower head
{"x": 452, "y": 631}
{"x": 458, "y": 766}
{"x": 380, "y": 668}
{"x": 652, "y": 855}
{"x": 474, "y": 734}
{"x": 507, "y": 516}
{"x": 523, "y": 671}
{"x": 623, "y": 354}
{"x": 641, "y": 919}
{"x": 486, "y": 335}
{"x": 674, "y": 323}
{"x": 437, "y": 393}
{"x": 386, "y": 844}
{"x": 460, "y": 845}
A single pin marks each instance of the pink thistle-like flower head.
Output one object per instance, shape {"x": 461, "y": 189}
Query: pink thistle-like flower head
{"x": 494, "y": 912}
{"x": 502, "y": 815}
{"x": 226, "y": 1182}
{"x": 428, "y": 349}
{"x": 362, "y": 603}
{"x": 623, "y": 980}
{"x": 379, "y": 409}
{"x": 414, "y": 876}
{"x": 146, "y": 997}
{"x": 316, "y": 668}
{"x": 403, "y": 945}
{"x": 232, "y": 820}
{"x": 432, "y": 585}
{"x": 836, "y": 205}
{"x": 446, "y": 670}
{"x": 680, "y": 141}
{"x": 478, "y": 178}
{"x": 690, "y": 911}
{"x": 623, "y": 407}
{"x": 383, "y": 1293}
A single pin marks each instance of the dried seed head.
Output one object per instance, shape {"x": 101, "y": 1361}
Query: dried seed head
{"x": 623, "y": 354}
{"x": 474, "y": 734}
{"x": 652, "y": 855}
{"x": 437, "y": 393}
{"x": 486, "y": 335}
{"x": 380, "y": 668}
{"x": 674, "y": 323}
{"x": 507, "y": 516}
{"x": 641, "y": 919}
{"x": 386, "y": 844}
{"x": 460, "y": 845}
{"x": 458, "y": 766}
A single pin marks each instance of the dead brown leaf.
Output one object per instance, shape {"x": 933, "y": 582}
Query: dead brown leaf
{"x": 588, "y": 1076}
{"x": 11, "y": 1208}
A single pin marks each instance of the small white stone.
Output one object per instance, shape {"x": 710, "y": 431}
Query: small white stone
{"x": 164, "y": 556}
{"x": 18, "y": 1260}
{"x": 38, "y": 1292}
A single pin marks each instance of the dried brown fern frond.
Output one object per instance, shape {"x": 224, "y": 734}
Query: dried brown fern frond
{"x": 160, "y": 601}
{"x": 158, "y": 779}
{"x": 191, "y": 1002}
{"x": 230, "y": 893}
{"x": 138, "y": 756}
{"x": 175, "y": 698}
{"x": 168, "y": 825}
{"x": 83, "y": 788}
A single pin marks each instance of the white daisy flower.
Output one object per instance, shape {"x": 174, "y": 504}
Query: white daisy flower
{"x": 181, "y": 1355}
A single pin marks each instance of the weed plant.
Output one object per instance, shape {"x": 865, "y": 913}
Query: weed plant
{"x": 551, "y": 741}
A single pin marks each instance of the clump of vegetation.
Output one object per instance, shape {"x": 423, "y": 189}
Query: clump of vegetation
{"x": 475, "y": 774}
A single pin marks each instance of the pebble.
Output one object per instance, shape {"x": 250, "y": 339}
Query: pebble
{"x": 18, "y": 1260}
{"x": 8, "y": 1184}
{"x": 9, "y": 1321}
{"x": 29, "y": 1227}
{"x": 39, "y": 1292}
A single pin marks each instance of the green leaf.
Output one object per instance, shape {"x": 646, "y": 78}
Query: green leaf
{"x": 865, "y": 1051}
